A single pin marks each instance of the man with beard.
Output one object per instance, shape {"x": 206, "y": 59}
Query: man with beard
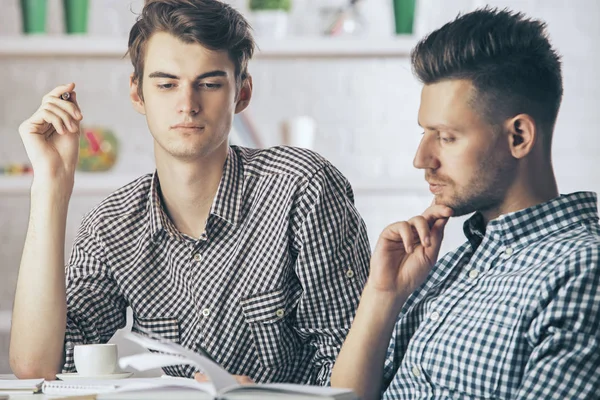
{"x": 514, "y": 312}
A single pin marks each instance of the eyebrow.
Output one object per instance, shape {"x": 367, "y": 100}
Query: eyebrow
{"x": 210, "y": 74}
{"x": 441, "y": 127}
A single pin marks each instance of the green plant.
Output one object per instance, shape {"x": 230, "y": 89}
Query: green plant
{"x": 256, "y": 5}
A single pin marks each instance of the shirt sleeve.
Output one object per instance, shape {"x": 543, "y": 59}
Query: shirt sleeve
{"x": 95, "y": 308}
{"x": 332, "y": 266}
{"x": 565, "y": 336}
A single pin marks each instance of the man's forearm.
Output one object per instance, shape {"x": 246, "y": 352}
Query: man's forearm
{"x": 359, "y": 365}
{"x": 39, "y": 314}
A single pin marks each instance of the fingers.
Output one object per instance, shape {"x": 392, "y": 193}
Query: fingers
{"x": 70, "y": 106}
{"x": 437, "y": 230}
{"x": 421, "y": 225}
{"x": 73, "y": 100}
{"x": 200, "y": 377}
{"x": 64, "y": 116}
{"x": 41, "y": 119}
{"x": 435, "y": 212}
{"x": 57, "y": 91}
{"x": 67, "y": 121}
{"x": 417, "y": 230}
{"x": 402, "y": 233}
{"x": 242, "y": 379}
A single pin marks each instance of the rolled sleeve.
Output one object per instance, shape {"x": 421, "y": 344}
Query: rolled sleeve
{"x": 332, "y": 267}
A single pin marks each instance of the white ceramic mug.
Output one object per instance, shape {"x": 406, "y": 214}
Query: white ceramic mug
{"x": 299, "y": 132}
{"x": 95, "y": 359}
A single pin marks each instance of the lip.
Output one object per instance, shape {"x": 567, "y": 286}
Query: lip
{"x": 187, "y": 126}
{"x": 435, "y": 189}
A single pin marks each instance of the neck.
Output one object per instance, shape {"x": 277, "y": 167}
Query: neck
{"x": 188, "y": 188}
{"x": 532, "y": 187}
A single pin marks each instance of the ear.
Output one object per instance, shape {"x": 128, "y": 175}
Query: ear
{"x": 522, "y": 135}
{"x": 244, "y": 96}
{"x": 136, "y": 100}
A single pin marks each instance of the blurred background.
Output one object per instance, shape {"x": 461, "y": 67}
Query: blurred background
{"x": 332, "y": 75}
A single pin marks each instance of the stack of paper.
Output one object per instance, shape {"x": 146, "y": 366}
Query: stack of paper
{"x": 9, "y": 384}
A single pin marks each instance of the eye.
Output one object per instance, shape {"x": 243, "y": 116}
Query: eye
{"x": 445, "y": 138}
{"x": 209, "y": 85}
{"x": 165, "y": 86}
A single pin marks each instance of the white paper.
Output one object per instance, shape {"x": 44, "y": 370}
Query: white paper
{"x": 221, "y": 380}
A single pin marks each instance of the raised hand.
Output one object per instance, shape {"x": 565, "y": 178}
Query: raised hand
{"x": 51, "y": 135}
{"x": 406, "y": 251}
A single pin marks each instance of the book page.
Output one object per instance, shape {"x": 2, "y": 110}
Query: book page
{"x": 221, "y": 380}
{"x": 289, "y": 388}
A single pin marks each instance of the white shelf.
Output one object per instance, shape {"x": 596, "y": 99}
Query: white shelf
{"x": 90, "y": 46}
{"x": 85, "y": 183}
{"x": 106, "y": 183}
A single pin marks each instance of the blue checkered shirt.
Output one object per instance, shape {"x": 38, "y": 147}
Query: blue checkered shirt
{"x": 513, "y": 313}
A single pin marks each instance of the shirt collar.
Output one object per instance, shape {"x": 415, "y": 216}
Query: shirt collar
{"x": 228, "y": 200}
{"x": 531, "y": 224}
{"x": 226, "y": 205}
{"x": 159, "y": 221}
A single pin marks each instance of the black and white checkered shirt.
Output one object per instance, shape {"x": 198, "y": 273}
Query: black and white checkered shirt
{"x": 514, "y": 313}
{"x": 270, "y": 288}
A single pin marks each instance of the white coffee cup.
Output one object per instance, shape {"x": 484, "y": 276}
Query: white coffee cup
{"x": 95, "y": 359}
{"x": 299, "y": 132}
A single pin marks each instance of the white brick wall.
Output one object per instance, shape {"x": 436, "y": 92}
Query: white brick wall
{"x": 365, "y": 108}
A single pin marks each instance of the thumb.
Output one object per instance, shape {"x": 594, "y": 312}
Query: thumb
{"x": 437, "y": 235}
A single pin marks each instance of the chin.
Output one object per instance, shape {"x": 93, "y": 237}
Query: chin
{"x": 459, "y": 207}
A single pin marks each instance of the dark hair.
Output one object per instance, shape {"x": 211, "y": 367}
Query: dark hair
{"x": 507, "y": 57}
{"x": 211, "y": 23}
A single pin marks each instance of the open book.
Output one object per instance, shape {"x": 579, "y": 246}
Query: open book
{"x": 222, "y": 385}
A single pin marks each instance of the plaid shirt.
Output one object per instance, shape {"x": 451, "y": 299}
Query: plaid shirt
{"x": 513, "y": 313}
{"x": 270, "y": 288}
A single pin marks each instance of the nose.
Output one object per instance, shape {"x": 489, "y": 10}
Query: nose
{"x": 426, "y": 157}
{"x": 189, "y": 100}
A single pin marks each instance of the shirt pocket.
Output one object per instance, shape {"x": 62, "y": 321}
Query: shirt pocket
{"x": 167, "y": 328}
{"x": 477, "y": 352}
{"x": 268, "y": 316}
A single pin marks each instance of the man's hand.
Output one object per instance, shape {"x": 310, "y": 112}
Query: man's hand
{"x": 406, "y": 251}
{"x": 51, "y": 135}
{"x": 241, "y": 379}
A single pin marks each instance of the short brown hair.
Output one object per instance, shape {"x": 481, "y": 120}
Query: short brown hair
{"x": 211, "y": 23}
{"x": 507, "y": 57}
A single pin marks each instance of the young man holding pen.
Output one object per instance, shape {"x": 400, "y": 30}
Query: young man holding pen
{"x": 257, "y": 256}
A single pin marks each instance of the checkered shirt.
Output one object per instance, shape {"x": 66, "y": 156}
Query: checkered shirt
{"x": 514, "y": 313}
{"x": 270, "y": 288}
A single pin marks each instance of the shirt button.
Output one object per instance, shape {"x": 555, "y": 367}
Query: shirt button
{"x": 350, "y": 273}
{"x": 280, "y": 313}
{"x": 434, "y": 316}
{"x": 416, "y": 371}
{"x": 206, "y": 312}
{"x": 197, "y": 257}
{"x": 508, "y": 251}
{"x": 473, "y": 274}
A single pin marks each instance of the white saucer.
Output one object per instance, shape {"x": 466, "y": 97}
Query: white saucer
{"x": 74, "y": 375}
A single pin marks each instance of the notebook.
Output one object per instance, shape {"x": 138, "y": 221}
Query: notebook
{"x": 9, "y": 384}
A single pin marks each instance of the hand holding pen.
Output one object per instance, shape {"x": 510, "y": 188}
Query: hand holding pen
{"x": 51, "y": 134}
